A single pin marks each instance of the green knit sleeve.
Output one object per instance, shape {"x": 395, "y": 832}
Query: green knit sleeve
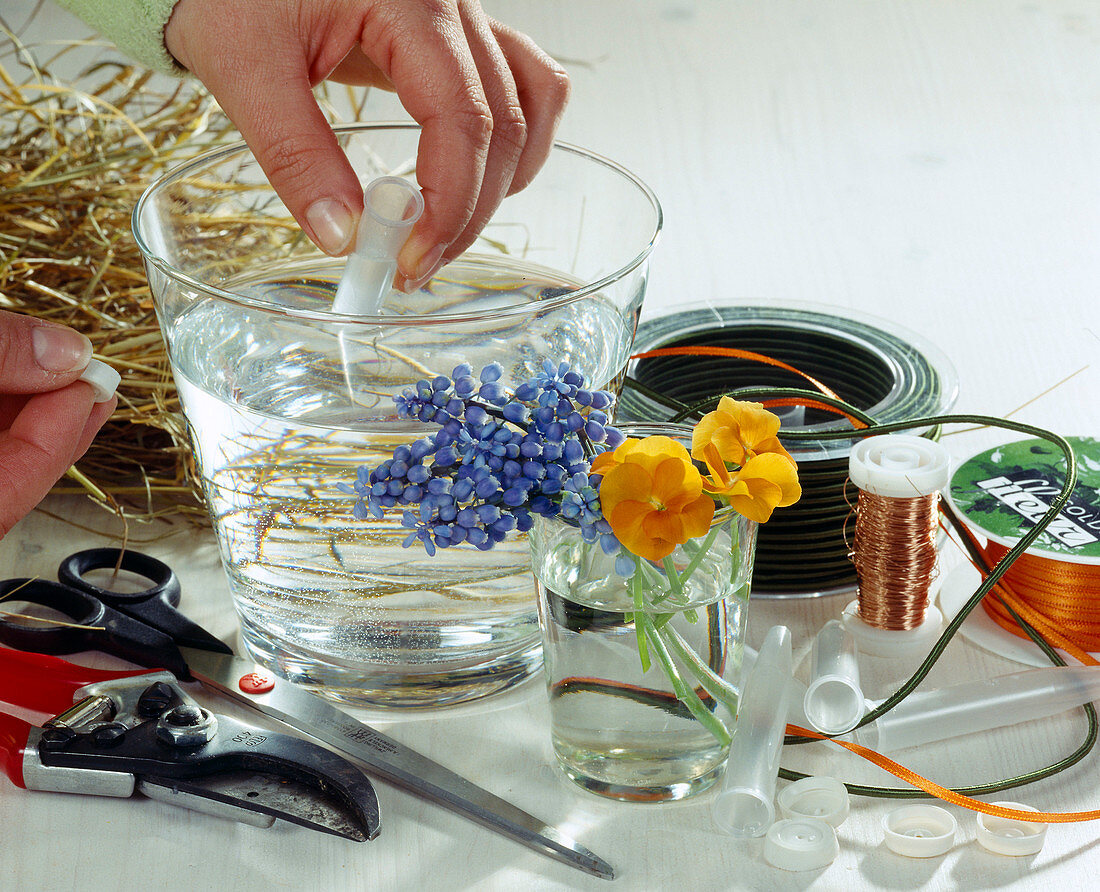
{"x": 136, "y": 27}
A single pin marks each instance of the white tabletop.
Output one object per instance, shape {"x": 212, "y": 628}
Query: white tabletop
{"x": 931, "y": 164}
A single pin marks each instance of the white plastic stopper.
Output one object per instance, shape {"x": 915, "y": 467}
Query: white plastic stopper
{"x": 834, "y": 702}
{"x": 823, "y": 798}
{"x": 391, "y": 205}
{"x": 920, "y": 831}
{"x": 1011, "y": 836}
{"x": 899, "y": 643}
{"x": 800, "y": 844}
{"x": 899, "y": 466}
{"x": 103, "y": 378}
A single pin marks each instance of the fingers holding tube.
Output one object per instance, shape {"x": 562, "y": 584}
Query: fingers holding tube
{"x": 543, "y": 88}
{"x": 526, "y": 92}
{"x": 487, "y": 99}
{"x": 261, "y": 60}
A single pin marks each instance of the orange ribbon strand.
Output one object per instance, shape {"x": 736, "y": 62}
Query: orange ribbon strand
{"x": 934, "y": 789}
{"x": 737, "y": 353}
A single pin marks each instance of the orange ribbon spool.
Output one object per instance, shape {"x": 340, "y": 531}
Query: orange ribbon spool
{"x": 1060, "y": 599}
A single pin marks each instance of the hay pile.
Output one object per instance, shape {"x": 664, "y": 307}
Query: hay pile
{"x": 74, "y": 158}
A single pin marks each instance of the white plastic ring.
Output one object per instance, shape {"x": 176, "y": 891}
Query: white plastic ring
{"x": 899, "y": 466}
{"x": 103, "y": 378}
{"x": 920, "y": 831}
{"x": 1011, "y": 836}
{"x": 824, "y": 798}
{"x": 800, "y": 844}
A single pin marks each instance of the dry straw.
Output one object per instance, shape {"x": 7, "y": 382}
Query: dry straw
{"x": 76, "y": 155}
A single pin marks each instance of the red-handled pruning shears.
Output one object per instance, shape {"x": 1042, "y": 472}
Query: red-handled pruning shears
{"x": 145, "y": 628}
{"x": 117, "y": 733}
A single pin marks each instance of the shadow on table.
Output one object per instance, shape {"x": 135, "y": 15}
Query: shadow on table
{"x": 1003, "y": 870}
{"x": 884, "y": 869}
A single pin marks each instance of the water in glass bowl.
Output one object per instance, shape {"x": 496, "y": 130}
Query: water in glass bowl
{"x": 283, "y": 407}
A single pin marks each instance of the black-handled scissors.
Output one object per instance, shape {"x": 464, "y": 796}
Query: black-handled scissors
{"x": 143, "y": 627}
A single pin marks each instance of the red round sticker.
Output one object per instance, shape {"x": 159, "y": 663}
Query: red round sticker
{"x": 256, "y": 683}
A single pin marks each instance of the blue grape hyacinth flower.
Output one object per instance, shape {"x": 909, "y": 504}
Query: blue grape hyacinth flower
{"x": 497, "y": 457}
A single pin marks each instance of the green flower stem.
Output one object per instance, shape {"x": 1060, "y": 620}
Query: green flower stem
{"x": 700, "y": 552}
{"x": 656, "y": 580}
{"x": 715, "y": 685}
{"x": 686, "y": 694}
{"x": 641, "y": 619}
{"x": 675, "y": 584}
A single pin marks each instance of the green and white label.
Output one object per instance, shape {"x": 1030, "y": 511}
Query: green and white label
{"x": 1005, "y": 491}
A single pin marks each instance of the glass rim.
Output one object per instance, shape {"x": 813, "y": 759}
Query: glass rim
{"x": 220, "y": 153}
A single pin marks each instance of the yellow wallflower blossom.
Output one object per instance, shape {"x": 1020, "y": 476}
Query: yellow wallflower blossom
{"x": 652, "y": 495}
{"x": 744, "y": 434}
{"x": 765, "y": 482}
{"x": 738, "y": 430}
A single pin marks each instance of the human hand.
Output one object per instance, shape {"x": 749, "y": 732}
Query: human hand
{"x": 487, "y": 99}
{"x": 47, "y": 416}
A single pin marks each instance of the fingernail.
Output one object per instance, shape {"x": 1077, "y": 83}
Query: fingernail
{"x": 417, "y": 269}
{"x": 58, "y": 349}
{"x": 333, "y": 225}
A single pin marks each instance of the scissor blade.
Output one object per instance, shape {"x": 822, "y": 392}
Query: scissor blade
{"x": 258, "y": 799}
{"x": 389, "y": 759}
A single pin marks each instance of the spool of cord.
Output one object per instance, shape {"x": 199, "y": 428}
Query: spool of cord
{"x": 890, "y": 373}
{"x": 899, "y": 479}
{"x": 999, "y": 494}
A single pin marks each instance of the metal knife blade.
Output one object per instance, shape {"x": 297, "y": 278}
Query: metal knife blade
{"x": 387, "y": 758}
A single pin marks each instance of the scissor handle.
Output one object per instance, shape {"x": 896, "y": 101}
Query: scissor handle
{"x": 84, "y": 611}
{"x": 165, "y": 585}
{"x": 94, "y": 626}
{"x": 155, "y": 606}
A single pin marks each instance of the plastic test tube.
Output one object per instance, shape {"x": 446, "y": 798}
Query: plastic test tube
{"x": 833, "y": 701}
{"x": 391, "y": 206}
{"x": 975, "y": 706}
{"x": 795, "y": 713}
{"x": 745, "y": 807}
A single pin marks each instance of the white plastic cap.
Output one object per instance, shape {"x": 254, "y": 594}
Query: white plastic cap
{"x": 892, "y": 642}
{"x": 1011, "y": 836}
{"x": 899, "y": 466}
{"x": 920, "y": 831}
{"x": 824, "y": 798}
{"x": 103, "y": 378}
{"x": 800, "y": 844}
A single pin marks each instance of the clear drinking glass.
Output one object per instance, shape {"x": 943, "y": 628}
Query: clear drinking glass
{"x": 618, "y": 729}
{"x": 284, "y": 400}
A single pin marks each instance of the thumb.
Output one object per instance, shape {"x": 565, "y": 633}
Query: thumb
{"x": 37, "y": 356}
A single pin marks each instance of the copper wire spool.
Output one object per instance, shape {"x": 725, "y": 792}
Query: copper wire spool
{"x": 894, "y": 554}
